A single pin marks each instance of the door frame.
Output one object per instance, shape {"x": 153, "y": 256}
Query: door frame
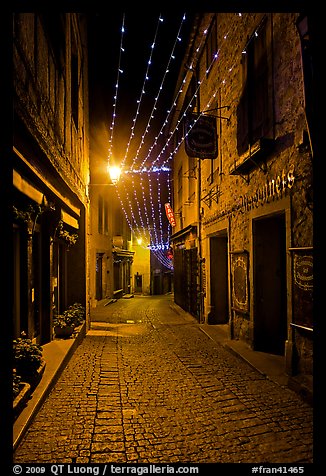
{"x": 274, "y": 208}
{"x": 221, "y": 235}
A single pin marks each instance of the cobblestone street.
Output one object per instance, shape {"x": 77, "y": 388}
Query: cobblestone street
{"x": 146, "y": 385}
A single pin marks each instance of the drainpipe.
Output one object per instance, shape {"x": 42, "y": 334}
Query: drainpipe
{"x": 231, "y": 333}
{"x": 200, "y": 254}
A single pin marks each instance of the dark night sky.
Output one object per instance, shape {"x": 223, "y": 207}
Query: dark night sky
{"x": 104, "y": 42}
{"x": 104, "y": 47}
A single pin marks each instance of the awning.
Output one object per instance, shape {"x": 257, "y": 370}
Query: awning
{"x": 25, "y": 187}
{"x": 63, "y": 198}
{"x": 69, "y": 220}
{"x": 184, "y": 231}
{"x": 122, "y": 255}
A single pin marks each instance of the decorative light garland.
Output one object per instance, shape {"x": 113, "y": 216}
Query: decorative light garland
{"x": 157, "y": 244}
{"x": 120, "y": 71}
{"x": 160, "y": 19}
{"x": 173, "y": 105}
{"x": 151, "y": 116}
{"x": 157, "y": 247}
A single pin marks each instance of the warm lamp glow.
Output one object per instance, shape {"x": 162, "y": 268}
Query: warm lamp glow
{"x": 114, "y": 173}
{"x": 139, "y": 241}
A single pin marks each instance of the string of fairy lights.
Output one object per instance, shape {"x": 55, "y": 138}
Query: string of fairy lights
{"x": 115, "y": 97}
{"x": 144, "y": 214}
{"x": 151, "y": 116}
{"x": 143, "y": 91}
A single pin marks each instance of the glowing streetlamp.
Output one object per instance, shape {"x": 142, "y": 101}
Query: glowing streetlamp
{"x": 114, "y": 172}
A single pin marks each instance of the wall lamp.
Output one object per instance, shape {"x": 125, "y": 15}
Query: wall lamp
{"x": 114, "y": 172}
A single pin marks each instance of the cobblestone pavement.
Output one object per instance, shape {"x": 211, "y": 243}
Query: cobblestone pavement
{"x": 147, "y": 386}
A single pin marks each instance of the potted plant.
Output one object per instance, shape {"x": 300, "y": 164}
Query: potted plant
{"x": 21, "y": 393}
{"x": 65, "y": 323}
{"x": 63, "y": 327}
{"x": 28, "y": 360}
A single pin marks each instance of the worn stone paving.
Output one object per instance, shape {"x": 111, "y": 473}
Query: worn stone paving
{"x": 147, "y": 386}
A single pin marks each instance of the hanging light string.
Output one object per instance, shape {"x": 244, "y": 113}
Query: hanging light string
{"x": 133, "y": 218}
{"x": 152, "y": 207}
{"x": 180, "y": 118}
{"x": 124, "y": 210}
{"x": 174, "y": 102}
{"x": 157, "y": 249}
{"x": 139, "y": 211}
{"x": 155, "y": 240}
{"x": 149, "y": 227}
{"x": 151, "y": 116}
{"x": 120, "y": 71}
{"x": 215, "y": 57}
{"x": 157, "y": 246}
{"x": 208, "y": 105}
{"x": 159, "y": 203}
{"x": 132, "y": 133}
{"x": 135, "y": 231}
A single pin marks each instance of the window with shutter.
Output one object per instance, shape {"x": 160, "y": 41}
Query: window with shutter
{"x": 255, "y": 108}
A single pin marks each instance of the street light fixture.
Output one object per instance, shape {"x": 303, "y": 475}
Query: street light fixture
{"x": 114, "y": 172}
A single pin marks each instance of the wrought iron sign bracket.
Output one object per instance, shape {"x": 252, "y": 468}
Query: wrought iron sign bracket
{"x": 216, "y": 109}
{"x": 211, "y": 196}
{"x": 262, "y": 168}
{"x": 191, "y": 173}
{"x": 245, "y": 178}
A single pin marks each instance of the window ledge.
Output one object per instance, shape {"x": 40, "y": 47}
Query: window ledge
{"x": 255, "y": 154}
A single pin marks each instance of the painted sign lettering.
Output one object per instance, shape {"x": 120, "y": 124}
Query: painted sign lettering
{"x": 170, "y": 214}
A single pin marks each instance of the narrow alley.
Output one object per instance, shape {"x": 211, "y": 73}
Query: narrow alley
{"x": 146, "y": 385}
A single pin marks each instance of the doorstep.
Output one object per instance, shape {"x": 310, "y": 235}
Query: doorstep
{"x": 56, "y": 355}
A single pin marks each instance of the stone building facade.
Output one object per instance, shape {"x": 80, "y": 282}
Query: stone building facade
{"x": 242, "y": 169}
{"x": 50, "y": 168}
{"x": 110, "y": 251}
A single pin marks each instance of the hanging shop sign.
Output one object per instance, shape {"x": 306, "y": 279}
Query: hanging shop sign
{"x": 240, "y": 295}
{"x": 201, "y": 137}
{"x": 303, "y": 272}
{"x": 170, "y": 214}
{"x": 303, "y": 292}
